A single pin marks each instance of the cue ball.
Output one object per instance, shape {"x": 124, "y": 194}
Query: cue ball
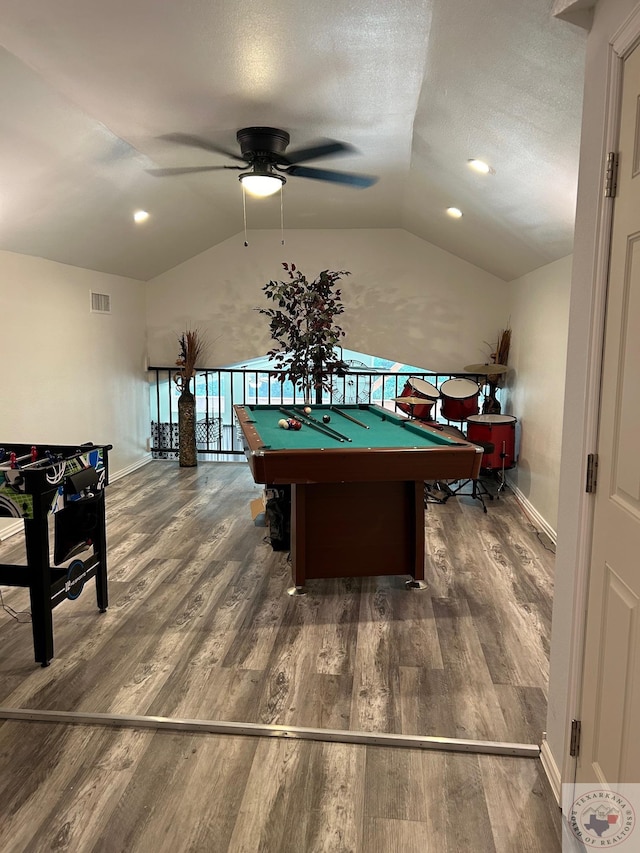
{"x": 326, "y": 418}
{"x": 307, "y": 410}
{"x": 283, "y": 424}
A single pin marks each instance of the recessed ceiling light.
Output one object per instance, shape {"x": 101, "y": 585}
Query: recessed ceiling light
{"x": 140, "y": 216}
{"x": 480, "y": 166}
{"x": 454, "y": 212}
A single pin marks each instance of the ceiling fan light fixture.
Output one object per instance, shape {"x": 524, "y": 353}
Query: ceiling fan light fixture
{"x": 261, "y": 184}
{"x": 454, "y": 212}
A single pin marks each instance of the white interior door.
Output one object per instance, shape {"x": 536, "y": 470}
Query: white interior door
{"x": 610, "y": 708}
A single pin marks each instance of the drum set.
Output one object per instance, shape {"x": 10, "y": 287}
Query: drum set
{"x": 459, "y": 401}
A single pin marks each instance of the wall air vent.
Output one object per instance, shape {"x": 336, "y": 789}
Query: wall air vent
{"x": 100, "y": 303}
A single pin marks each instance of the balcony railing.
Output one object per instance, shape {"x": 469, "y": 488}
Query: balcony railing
{"x": 217, "y": 390}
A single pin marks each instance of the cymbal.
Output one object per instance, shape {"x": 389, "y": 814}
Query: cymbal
{"x": 487, "y": 369}
{"x": 414, "y": 401}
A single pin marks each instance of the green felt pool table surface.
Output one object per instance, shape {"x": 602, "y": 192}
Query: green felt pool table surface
{"x": 391, "y": 448}
{"x": 382, "y": 428}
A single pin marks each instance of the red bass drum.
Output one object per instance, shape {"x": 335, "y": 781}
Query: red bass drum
{"x": 499, "y": 430}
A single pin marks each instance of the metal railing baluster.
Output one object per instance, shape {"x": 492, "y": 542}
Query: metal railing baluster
{"x": 222, "y": 390}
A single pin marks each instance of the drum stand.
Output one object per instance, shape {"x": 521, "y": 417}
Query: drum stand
{"x": 478, "y": 489}
{"x": 499, "y": 472}
{"x": 501, "y": 480}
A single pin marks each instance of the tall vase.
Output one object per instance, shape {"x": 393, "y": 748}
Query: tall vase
{"x": 187, "y": 429}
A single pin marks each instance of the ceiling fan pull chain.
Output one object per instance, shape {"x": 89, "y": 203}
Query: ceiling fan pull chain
{"x": 244, "y": 215}
{"x": 281, "y": 218}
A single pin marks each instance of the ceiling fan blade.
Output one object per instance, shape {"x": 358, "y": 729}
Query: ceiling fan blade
{"x": 349, "y": 178}
{"x": 322, "y": 148}
{"x": 199, "y": 142}
{"x": 186, "y": 170}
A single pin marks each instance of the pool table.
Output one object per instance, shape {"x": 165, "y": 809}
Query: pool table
{"x": 357, "y": 483}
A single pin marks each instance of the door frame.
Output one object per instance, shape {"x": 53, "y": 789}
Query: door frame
{"x": 621, "y": 44}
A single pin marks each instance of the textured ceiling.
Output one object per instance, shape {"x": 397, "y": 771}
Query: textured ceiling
{"x": 417, "y": 86}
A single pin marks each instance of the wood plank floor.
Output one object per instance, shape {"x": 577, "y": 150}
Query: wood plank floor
{"x": 199, "y": 625}
{"x": 79, "y": 788}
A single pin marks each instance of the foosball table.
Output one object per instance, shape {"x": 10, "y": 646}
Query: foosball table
{"x": 67, "y": 482}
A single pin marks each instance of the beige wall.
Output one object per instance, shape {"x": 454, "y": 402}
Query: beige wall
{"x": 539, "y": 317}
{"x": 405, "y": 300}
{"x": 70, "y": 376}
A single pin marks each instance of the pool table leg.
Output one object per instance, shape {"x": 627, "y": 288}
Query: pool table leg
{"x": 298, "y": 534}
{"x": 418, "y": 525}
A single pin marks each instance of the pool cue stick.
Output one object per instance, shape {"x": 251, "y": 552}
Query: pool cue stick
{"x": 311, "y": 421}
{"x": 329, "y": 429}
{"x": 348, "y": 417}
{"x": 314, "y": 424}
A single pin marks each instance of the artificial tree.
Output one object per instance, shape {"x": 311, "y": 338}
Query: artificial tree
{"x": 304, "y": 328}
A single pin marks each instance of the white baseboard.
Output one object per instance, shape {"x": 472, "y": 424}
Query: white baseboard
{"x": 17, "y": 526}
{"x": 551, "y": 770}
{"x": 130, "y": 468}
{"x": 532, "y": 512}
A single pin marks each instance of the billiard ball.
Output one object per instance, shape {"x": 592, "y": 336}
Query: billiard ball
{"x": 307, "y": 410}
{"x": 326, "y": 418}
{"x": 283, "y": 424}
{"x": 293, "y": 424}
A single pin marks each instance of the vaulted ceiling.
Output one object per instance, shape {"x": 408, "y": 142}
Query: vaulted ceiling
{"x": 417, "y": 86}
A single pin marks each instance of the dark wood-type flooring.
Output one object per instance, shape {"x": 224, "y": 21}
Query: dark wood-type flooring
{"x": 200, "y": 626}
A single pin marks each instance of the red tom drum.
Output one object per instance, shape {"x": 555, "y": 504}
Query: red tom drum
{"x": 459, "y": 399}
{"x": 415, "y": 387}
{"x": 499, "y": 430}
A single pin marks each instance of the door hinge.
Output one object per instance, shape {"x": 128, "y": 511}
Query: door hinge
{"x": 574, "y": 746}
{"x": 592, "y": 473}
{"x": 611, "y": 175}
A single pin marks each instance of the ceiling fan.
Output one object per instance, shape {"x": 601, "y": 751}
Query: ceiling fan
{"x": 263, "y": 156}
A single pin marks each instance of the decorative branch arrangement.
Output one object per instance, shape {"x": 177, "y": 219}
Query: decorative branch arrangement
{"x": 495, "y": 381}
{"x": 192, "y": 349}
{"x": 303, "y": 325}
{"x": 501, "y": 354}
